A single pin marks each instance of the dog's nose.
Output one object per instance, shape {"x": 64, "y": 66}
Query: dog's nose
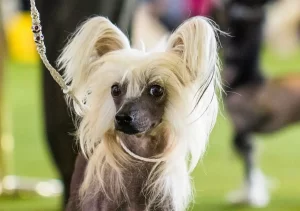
{"x": 124, "y": 119}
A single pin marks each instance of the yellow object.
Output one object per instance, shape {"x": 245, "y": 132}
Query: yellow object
{"x": 20, "y": 39}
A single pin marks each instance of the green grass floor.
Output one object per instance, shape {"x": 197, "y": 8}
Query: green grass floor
{"x": 217, "y": 174}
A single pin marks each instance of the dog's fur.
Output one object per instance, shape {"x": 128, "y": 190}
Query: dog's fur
{"x": 170, "y": 99}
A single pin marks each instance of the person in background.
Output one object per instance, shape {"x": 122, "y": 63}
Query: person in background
{"x": 157, "y": 18}
{"x": 179, "y": 10}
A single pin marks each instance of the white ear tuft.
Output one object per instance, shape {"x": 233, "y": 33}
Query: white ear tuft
{"x": 195, "y": 42}
{"x": 96, "y": 37}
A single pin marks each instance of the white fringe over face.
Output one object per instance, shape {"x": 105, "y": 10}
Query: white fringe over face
{"x": 98, "y": 56}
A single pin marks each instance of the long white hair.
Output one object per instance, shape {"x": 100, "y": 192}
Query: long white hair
{"x": 100, "y": 55}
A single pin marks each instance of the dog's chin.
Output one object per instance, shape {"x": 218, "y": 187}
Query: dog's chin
{"x": 129, "y": 130}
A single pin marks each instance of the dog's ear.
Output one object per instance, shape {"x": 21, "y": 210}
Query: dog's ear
{"x": 96, "y": 37}
{"x": 195, "y": 42}
{"x": 110, "y": 39}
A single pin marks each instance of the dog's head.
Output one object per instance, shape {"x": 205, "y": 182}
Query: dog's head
{"x": 134, "y": 92}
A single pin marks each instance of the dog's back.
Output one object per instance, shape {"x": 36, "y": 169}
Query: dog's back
{"x": 267, "y": 107}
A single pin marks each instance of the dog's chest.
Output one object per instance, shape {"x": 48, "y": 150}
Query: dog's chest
{"x": 135, "y": 179}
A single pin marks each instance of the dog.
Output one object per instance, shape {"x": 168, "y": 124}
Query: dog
{"x": 256, "y": 104}
{"x": 260, "y": 109}
{"x": 146, "y": 118}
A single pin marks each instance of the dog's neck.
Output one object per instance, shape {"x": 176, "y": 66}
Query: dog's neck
{"x": 137, "y": 174}
{"x": 138, "y": 185}
{"x": 145, "y": 145}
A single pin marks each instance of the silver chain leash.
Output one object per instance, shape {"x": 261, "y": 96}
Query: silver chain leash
{"x": 41, "y": 49}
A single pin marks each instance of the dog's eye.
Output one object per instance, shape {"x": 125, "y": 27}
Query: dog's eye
{"x": 156, "y": 91}
{"x": 115, "y": 90}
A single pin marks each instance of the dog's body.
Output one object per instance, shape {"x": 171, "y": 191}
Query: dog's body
{"x": 146, "y": 116}
{"x": 267, "y": 107}
{"x": 135, "y": 178}
{"x": 256, "y": 104}
{"x": 260, "y": 109}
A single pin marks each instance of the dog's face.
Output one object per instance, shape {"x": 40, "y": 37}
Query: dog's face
{"x": 140, "y": 87}
{"x": 135, "y": 92}
{"x": 139, "y": 114}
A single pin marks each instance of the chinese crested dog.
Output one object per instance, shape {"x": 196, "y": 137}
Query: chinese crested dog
{"x": 147, "y": 115}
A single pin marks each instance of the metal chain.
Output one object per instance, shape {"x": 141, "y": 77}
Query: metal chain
{"x": 41, "y": 49}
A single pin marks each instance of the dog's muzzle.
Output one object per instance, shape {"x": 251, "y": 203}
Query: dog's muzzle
{"x": 125, "y": 124}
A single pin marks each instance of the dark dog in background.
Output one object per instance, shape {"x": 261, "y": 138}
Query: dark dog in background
{"x": 59, "y": 18}
{"x": 256, "y": 104}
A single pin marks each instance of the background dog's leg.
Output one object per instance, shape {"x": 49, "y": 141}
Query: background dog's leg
{"x": 254, "y": 191}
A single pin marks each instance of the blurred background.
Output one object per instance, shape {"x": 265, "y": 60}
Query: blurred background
{"x": 37, "y": 153}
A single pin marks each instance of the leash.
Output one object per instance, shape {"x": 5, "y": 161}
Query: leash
{"x": 41, "y": 49}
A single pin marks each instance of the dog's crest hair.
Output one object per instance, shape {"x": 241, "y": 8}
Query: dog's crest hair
{"x": 100, "y": 55}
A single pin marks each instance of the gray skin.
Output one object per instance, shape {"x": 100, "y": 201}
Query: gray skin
{"x": 134, "y": 119}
